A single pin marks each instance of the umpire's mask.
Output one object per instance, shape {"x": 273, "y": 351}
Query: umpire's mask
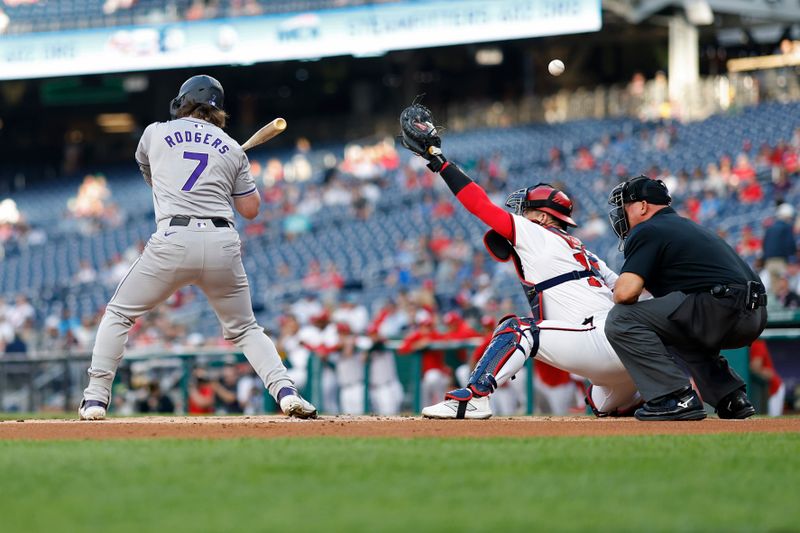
{"x": 636, "y": 189}
{"x": 616, "y": 215}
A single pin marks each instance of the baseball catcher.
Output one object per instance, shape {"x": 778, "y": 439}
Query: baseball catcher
{"x": 569, "y": 289}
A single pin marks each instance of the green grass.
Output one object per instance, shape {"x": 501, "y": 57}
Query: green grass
{"x": 745, "y": 482}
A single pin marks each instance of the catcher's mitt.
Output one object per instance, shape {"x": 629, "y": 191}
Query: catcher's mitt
{"x": 420, "y": 135}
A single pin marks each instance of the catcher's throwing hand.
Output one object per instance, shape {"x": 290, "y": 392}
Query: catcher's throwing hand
{"x": 420, "y": 135}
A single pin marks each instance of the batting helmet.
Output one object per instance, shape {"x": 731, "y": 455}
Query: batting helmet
{"x": 199, "y": 89}
{"x": 542, "y": 197}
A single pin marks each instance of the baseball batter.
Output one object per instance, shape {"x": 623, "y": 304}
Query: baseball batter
{"x": 569, "y": 290}
{"x": 196, "y": 172}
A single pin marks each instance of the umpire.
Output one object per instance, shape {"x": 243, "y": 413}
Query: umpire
{"x": 705, "y": 298}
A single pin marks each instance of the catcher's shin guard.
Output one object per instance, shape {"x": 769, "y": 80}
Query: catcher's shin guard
{"x": 514, "y": 340}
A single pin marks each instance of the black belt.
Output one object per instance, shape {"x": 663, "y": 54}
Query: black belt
{"x": 755, "y": 294}
{"x": 182, "y": 220}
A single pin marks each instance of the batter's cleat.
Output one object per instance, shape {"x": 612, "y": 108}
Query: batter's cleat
{"x": 735, "y": 405}
{"x": 471, "y": 407}
{"x": 294, "y": 405}
{"x": 681, "y": 405}
{"x": 92, "y": 410}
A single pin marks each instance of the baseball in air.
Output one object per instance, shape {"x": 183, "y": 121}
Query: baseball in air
{"x": 556, "y": 67}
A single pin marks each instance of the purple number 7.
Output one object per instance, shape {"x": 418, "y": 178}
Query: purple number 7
{"x": 202, "y": 163}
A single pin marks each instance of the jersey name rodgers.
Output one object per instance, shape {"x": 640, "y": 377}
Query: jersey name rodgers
{"x": 195, "y": 169}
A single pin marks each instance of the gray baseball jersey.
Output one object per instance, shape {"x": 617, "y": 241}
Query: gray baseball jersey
{"x": 194, "y": 168}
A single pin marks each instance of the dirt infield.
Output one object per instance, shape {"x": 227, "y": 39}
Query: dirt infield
{"x": 397, "y": 427}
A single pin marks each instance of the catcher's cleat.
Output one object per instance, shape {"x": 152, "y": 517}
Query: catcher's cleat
{"x": 294, "y": 405}
{"x": 92, "y": 410}
{"x": 735, "y": 406}
{"x": 616, "y": 413}
{"x": 681, "y": 405}
{"x": 475, "y": 408}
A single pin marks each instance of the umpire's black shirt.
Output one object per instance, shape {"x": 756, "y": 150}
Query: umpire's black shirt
{"x": 672, "y": 253}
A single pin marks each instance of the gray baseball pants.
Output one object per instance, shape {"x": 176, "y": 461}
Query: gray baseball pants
{"x": 199, "y": 254}
{"x": 649, "y": 344}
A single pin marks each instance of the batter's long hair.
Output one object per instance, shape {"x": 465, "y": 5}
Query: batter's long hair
{"x": 206, "y": 112}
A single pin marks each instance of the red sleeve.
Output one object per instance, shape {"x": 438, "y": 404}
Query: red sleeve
{"x": 477, "y": 202}
{"x": 405, "y": 347}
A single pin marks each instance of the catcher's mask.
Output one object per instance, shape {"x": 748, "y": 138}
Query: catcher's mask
{"x": 640, "y": 188}
{"x": 199, "y": 89}
{"x": 542, "y": 197}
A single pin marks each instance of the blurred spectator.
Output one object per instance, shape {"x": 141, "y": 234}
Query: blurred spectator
{"x": 292, "y": 346}
{"x": 111, "y": 6}
{"x": 85, "y": 333}
{"x": 20, "y": 312}
{"x": 555, "y": 390}
{"x": 155, "y": 401}
{"x": 784, "y": 294}
{"x": 68, "y": 323}
{"x": 439, "y": 243}
{"x": 761, "y": 366}
{"x": 201, "y": 394}
{"x": 295, "y": 224}
{"x": 225, "y": 391}
{"x": 435, "y": 373}
{"x": 115, "y": 270}
{"x": 385, "y": 392}
{"x": 352, "y": 313}
{"x": 594, "y": 228}
{"x": 743, "y": 170}
{"x": 457, "y": 329}
{"x": 780, "y": 247}
{"x": 443, "y": 208}
{"x": 250, "y": 390}
{"x": 751, "y": 192}
{"x": 749, "y": 246}
{"x": 306, "y": 306}
{"x": 85, "y": 274}
{"x": 584, "y": 160}
{"x": 331, "y": 281}
{"x": 16, "y": 346}
{"x": 321, "y": 338}
{"x": 351, "y": 353}
{"x": 556, "y": 158}
{"x": 389, "y": 322}
{"x": 313, "y": 280}
{"x": 709, "y": 207}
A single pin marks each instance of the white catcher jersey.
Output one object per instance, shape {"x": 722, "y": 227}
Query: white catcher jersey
{"x": 545, "y": 254}
{"x": 194, "y": 168}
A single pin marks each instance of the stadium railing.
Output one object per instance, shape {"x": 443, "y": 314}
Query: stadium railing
{"x": 54, "y": 382}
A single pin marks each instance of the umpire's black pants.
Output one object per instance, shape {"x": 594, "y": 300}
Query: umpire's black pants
{"x": 649, "y": 335}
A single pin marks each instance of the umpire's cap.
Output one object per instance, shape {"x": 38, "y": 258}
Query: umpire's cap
{"x": 201, "y": 89}
{"x": 642, "y": 188}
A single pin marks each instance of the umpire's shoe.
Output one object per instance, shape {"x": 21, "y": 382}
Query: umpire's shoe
{"x": 735, "y": 405}
{"x": 681, "y": 405}
{"x": 294, "y": 405}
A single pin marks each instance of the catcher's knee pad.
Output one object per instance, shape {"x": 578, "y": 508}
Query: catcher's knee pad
{"x": 511, "y": 335}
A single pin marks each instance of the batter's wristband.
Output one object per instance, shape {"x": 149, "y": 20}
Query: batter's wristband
{"x": 455, "y": 178}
